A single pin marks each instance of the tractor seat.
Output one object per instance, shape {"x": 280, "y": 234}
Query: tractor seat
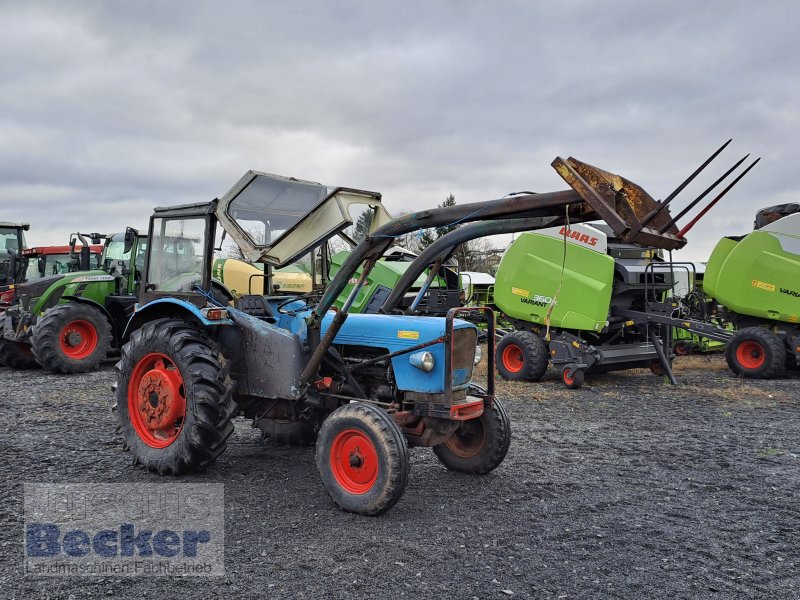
{"x": 256, "y": 306}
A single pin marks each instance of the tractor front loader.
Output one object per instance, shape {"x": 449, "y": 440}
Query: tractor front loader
{"x": 581, "y": 297}
{"x": 369, "y": 384}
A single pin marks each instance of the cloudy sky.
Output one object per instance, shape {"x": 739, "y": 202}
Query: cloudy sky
{"x": 110, "y": 108}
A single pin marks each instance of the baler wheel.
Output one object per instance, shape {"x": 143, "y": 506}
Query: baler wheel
{"x": 173, "y": 397}
{"x": 479, "y": 445}
{"x": 572, "y": 377}
{"x": 362, "y": 458}
{"x": 17, "y": 355}
{"x": 756, "y": 352}
{"x": 521, "y": 356}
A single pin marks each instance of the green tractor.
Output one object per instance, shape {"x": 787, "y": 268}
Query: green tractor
{"x": 753, "y": 283}
{"x": 68, "y": 323}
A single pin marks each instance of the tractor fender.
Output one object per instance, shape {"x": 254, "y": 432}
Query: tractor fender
{"x": 168, "y": 308}
{"x": 98, "y": 306}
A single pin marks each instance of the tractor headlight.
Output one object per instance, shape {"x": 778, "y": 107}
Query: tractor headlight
{"x": 422, "y": 360}
{"x": 478, "y": 355}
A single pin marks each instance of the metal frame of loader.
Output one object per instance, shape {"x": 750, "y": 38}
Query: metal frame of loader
{"x": 668, "y": 311}
{"x": 302, "y": 361}
{"x": 570, "y": 353}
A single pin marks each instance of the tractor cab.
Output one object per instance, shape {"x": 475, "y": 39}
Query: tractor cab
{"x": 12, "y": 242}
{"x": 284, "y": 223}
{"x": 46, "y": 261}
{"x": 276, "y": 220}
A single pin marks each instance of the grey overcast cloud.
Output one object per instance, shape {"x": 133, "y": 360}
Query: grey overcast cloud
{"x": 110, "y": 108}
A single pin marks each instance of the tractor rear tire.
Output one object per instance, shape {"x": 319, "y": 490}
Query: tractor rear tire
{"x": 756, "y": 353}
{"x": 479, "y": 445}
{"x": 174, "y": 398}
{"x": 287, "y": 433}
{"x": 71, "y": 338}
{"x": 521, "y": 356}
{"x": 17, "y": 355}
{"x": 362, "y": 458}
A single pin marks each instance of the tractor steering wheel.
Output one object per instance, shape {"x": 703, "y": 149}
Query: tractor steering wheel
{"x": 280, "y": 307}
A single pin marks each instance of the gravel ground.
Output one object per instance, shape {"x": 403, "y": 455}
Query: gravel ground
{"x": 628, "y": 488}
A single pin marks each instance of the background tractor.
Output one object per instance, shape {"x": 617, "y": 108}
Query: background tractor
{"x": 12, "y": 242}
{"x": 370, "y": 384}
{"x": 45, "y": 261}
{"x": 68, "y": 322}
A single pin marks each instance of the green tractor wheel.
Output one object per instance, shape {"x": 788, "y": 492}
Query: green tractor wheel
{"x": 71, "y": 338}
{"x": 16, "y": 355}
{"x": 174, "y": 398}
{"x": 756, "y": 352}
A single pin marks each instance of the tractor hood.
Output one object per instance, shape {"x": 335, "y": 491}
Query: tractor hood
{"x": 36, "y": 287}
{"x": 400, "y": 332}
{"x": 276, "y": 219}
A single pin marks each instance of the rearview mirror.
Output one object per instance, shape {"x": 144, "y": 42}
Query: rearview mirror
{"x": 130, "y": 237}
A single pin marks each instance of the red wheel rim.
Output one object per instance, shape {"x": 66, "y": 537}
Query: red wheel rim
{"x": 156, "y": 400}
{"x": 78, "y": 339}
{"x": 512, "y": 358}
{"x": 750, "y": 354}
{"x": 354, "y": 461}
{"x": 468, "y": 440}
{"x": 568, "y": 379}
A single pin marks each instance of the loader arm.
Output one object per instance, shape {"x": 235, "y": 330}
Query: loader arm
{"x": 595, "y": 194}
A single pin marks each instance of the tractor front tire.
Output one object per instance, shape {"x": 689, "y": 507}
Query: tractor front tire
{"x": 17, "y": 355}
{"x": 71, "y": 338}
{"x": 362, "y": 458}
{"x": 756, "y": 353}
{"x": 479, "y": 445}
{"x": 521, "y": 356}
{"x": 174, "y": 398}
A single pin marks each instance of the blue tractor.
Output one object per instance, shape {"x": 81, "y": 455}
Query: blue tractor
{"x": 367, "y": 385}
